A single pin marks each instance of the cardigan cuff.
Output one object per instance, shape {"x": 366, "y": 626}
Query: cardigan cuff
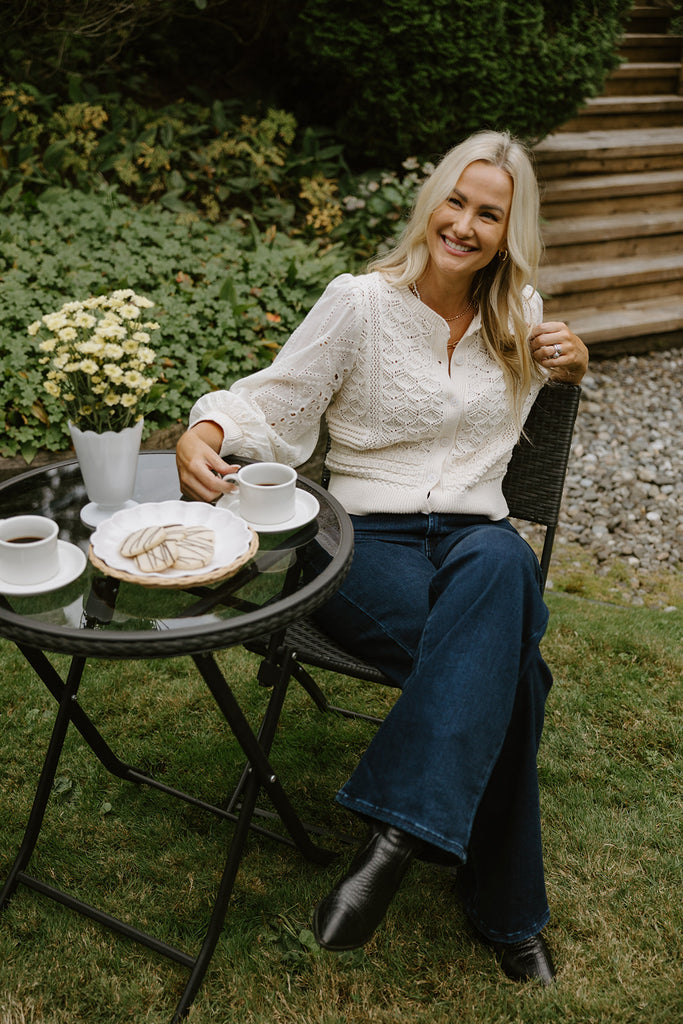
{"x": 232, "y": 434}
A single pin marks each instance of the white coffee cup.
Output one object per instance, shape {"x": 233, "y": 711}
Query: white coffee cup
{"x": 28, "y": 549}
{"x": 267, "y": 492}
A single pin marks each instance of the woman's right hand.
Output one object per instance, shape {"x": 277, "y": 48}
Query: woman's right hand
{"x": 200, "y": 467}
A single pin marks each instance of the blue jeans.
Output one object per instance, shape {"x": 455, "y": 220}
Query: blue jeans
{"x": 450, "y": 607}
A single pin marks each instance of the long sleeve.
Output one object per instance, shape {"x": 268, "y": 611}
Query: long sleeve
{"x": 275, "y": 414}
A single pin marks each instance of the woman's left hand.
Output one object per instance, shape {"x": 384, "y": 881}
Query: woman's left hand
{"x": 559, "y": 350}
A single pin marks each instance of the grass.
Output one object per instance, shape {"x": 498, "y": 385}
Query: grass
{"x": 611, "y": 768}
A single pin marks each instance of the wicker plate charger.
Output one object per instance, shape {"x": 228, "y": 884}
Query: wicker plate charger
{"x": 221, "y": 572}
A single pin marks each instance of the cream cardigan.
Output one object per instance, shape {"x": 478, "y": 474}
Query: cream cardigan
{"x": 405, "y": 436}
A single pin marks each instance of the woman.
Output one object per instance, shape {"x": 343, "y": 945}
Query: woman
{"x": 425, "y": 369}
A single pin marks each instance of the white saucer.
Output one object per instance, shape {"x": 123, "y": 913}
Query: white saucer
{"x": 307, "y": 508}
{"x": 93, "y": 514}
{"x": 71, "y": 564}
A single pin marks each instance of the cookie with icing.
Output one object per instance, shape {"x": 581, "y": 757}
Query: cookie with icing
{"x": 195, "y": 549}
{"x": 142, "y": 540}
{"x": 159, "y": 558}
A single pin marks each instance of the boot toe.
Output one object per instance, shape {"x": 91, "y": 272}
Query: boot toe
{"x": 527, "y": 960}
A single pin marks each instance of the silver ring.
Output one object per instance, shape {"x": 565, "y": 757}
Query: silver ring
{"x": 558, "y": 351}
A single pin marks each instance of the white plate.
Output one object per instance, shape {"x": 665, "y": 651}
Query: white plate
{"x": 233, "y": 536}
{"x": 71, "y": 564}
{"x": 307, "y": 508}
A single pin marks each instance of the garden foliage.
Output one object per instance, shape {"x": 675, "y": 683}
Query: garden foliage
{"x": 397, "y": 76}
{"x": 233, "y": 225}
{"x": 389, "y": 77}
{"x": 226, "y": 296}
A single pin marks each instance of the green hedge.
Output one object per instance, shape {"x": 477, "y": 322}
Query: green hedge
{"x": 399, "y": 76}
{"x": 226, "y": 296}
{"x": 388, "y": 77}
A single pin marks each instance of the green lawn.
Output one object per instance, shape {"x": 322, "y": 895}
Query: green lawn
{"x": 611, "y": 769}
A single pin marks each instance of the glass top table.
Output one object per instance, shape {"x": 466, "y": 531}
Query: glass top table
{"x": 100, "y": 616}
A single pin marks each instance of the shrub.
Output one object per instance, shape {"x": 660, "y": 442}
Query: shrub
{"x": 390, "y": 77}
{"x": 226, "y": 296}
{"x": 195, "y": 159}
{"x": 403, "y": 76}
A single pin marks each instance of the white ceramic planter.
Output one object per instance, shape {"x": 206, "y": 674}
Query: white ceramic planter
{"x": 108, "y": 465}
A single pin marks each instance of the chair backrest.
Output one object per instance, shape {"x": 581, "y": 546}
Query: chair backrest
{"x": 535, "y": 475}
{"x": 534, "y": 480}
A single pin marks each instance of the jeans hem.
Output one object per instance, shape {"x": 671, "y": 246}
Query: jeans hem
{"x": 506, "y": 938}
{"x": 368, "y": 810}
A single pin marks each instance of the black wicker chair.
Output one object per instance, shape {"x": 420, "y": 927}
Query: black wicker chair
{"x": 533, "y": 488}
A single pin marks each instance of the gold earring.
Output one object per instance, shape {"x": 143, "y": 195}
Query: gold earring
{"x": 502, "y": 255}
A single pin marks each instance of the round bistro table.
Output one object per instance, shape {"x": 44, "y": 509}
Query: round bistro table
{"x": 99, "y": 616}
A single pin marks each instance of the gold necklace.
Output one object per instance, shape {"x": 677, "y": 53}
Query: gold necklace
{"x": 448, "y": 319}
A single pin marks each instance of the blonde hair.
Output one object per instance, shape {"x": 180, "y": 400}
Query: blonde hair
{"x": 499, "y": 287}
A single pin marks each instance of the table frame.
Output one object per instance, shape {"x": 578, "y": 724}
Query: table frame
{"x": 275, "y": 672}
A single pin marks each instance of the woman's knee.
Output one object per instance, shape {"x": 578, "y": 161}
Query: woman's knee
{"x": 497, "y": 551}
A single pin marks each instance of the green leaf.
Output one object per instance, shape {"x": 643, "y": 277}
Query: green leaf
{"x": 53, "y": 155}
{"x": 9, "y": 123}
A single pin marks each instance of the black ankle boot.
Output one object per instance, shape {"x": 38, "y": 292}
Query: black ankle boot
{"x": 349, "y": 915}
{"x": 526, "y": 960}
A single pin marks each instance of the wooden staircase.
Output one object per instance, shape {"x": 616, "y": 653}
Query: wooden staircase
{"x": 612, "y": 187}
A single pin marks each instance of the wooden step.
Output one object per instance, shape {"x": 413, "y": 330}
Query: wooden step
{"x": 584, "y": 284}
{"x": 616, "y": 151}
{"x": 634, "y": 233}
{"x": 633, "y": 79}
{"x": 603, "y": 194}
{"x": 650, "y": 47}
{"x": 630, "y": 327}
{"x": 611, "y": 112}
{"x": 647, "y": 18}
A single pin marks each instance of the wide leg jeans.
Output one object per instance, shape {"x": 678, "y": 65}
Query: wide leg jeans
{"x": 451, "y": 608}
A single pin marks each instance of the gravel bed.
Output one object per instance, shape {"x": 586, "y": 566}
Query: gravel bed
{"x": 624, "y": 490}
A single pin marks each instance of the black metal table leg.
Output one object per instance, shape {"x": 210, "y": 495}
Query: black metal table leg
{"x": 47, "y": 777}
{"x": 257, "y": 759}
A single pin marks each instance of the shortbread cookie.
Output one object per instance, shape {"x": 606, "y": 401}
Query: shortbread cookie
{"x": 195, "y": 549}
{"x": 158, "y": 558}
{"x": 142, "y": 540}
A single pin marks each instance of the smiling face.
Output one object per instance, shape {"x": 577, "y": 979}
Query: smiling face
{"x": 466, "y": 230}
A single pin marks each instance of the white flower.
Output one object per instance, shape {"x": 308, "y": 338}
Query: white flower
{"x": 114, "y": 372}
{"x": 88, "y": 366}
{"x": 110, "y": 331}
{"x": 67, "y": 334}
{"x": 55, "y": 321}
{"x": 129, "y": 312}
{"x": 353, "y": 203}
{"x": 133, "y": 379}
{"x": 90, "y": 347}
{"x": 112, "y": 351}
{"x": 34, "y": 328}
{"x": 84, "y": 320}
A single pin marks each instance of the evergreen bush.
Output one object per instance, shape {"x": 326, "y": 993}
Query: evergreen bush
{"x": 405, "y": 76}
{"x": 390, "y": 77}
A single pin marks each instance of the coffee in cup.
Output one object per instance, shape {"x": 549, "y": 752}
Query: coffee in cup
{"x": 267, "y": 492}
{"x": 29, "y": 551}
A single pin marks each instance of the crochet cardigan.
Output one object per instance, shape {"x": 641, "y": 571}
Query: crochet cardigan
{"x": 405, "y": 436}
